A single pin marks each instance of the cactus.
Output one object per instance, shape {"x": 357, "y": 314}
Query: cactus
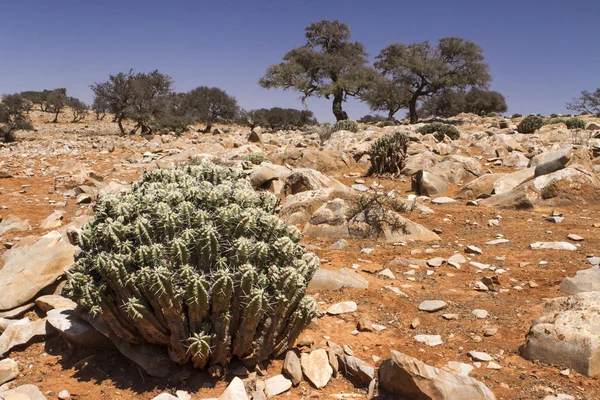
{"x": 530, "y": 124}
{"x": 346, "y": 125}
{"x": 256, "y": 158}
{"x": 196, "y": 261}
{"x": 388, "y": 154}
{"x": 440, "y": 130}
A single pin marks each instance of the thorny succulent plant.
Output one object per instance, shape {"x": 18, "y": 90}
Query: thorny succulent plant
{"x": 195, "y": 260}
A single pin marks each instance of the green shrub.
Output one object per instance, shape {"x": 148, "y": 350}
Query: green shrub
{"x": 346, "y": 125}
{"x": 584, "y": 112}
{"x": 439, "y": 129}
{"x": 385, "y": 123}
{"x": 516, "y": 116}
{"x": 492, "y": 114}
{"x": 554, "y": 115}
{"x": 195, "y": 260}
{"x": 503, "y": 124}
{"x": 256, "y": 158}
{"x": 388, "y": 154}
{"x": 575, "y": 123}
{"x": 530, "y": 124}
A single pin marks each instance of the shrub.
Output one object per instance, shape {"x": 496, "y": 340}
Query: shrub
{"x": 12, "y": 116}
{"x": 530, "y": 124}
{"x": 279, "y": 118}
{"x": 440, "y": 130}
{"x": 584, "y": 112}
{"x": 256, "y": 158}
{"x": 388, "y": 154}
{"x": 516, "y": 116}
{"x": 575, "y": 123}
{"x": 553, "y": 115}
{"x": 492, "y": 114}
{"x": 383, "y": 124}
{"x": 503, "y": 124}
{"x": 346, "y": 125}
{"x": 195, "y": 260}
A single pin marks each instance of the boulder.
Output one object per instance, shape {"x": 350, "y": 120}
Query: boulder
{"x": 29, "y": 269}
{"x": 482, "y": 185}
{"x": 325, "y": 161}
{"x": 587, "y": 280}
{"x": 77, "y": 330}
{"x": 509, "y": 182}
{"x": 52, "y": 301}
{"x": 292, "y": 367}
{"x": 12, "y": 224}
{"x": 412, "y": 379}
{"x": 9, "y": 370}
{"x": 23, "y": 392}
{"x": 518, "y": 199}
{"x": 356, "y": 369}
{"x": 316, "y": 368}
{"x": 235, "y": 391}
{"x": 327, "y": 279}
{"x": 266, "y": 173}
{"x": 52, "y": 221}
{"x": 567, "y": 333}
{"x": 21, "y": 332}
{"x": 571, "y": 184}
{"x": 428, "y": 184}
{"x": 305, "y": 179}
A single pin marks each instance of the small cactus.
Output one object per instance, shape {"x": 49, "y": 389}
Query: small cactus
{"x": 195, "y": 260}
{"x": 388, "y": 154}
{"x": 440, "y": 130}
{"x": 346, "y": 125}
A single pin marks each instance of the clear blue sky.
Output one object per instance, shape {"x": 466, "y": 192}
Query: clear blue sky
{"x": 541, "y": 53}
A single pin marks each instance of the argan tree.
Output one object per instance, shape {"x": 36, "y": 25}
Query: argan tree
{"x": 56, "y": 100}
{"x": 136, "y": 96}
{"x": 280, "y": 118}
{"x": 586, "y": 102}
{"x": 12, "y": 116}
{"x": 78, "y": 108}
{"x": 329, "y": 65}
{"x": 207, "y": 105}
{"x": 385, "y": 95}
{"x": 475, "y": 101}
{"x": 424, "y": 70}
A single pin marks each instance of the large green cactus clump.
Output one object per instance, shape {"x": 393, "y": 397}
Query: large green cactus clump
{"x": 197, "y": 261}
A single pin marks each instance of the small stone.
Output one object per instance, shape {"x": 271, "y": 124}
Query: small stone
{"x": 292, "y": 367}
{"x": 367, "y": 251}
{"x": 435, "y": 262}
{"x": 496, "y": 242}
{"x": 342, "y": 308}
{"x": 415, "y": 323}
{"x": 481, "y": 314}
{"x": 339, "y": 245}
{"x": 386, "y": 273}
{"x": 450, "y": 317}
{"x": 473, "y": 250}
{"x": 553, "y": 246}
{"x": 555, "y": 220}
{"x": 480, "y": 356}
{"x": 429, "y": 340}
{"x": 565, "y": 372}
{"x": 396, "y": 291}
{"x": 64, "y": 395}
{"x": 237, "y": 391}
{"x": 316, "y": 368}
{"x": 478, "y": 265}
{"x": 457, "y": 258}
{"x": 276, "y": 385}
{"x": 481, "y": 287}
{"x": 574, "y": 237}
{"x": 443, "y": 200}
{"x": 432, "y": 305}
{"x": 490, "y": 332}
{"x": 532, "y": 284}
{"x": 364, "y": 325}
{"x": 493, "y": 365}
{"x": 9, "y": 370}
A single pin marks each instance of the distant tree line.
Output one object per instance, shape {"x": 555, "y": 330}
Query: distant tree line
{"x": 332, "y": 66}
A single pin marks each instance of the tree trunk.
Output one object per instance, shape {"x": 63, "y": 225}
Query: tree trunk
{"x": 120, "y": 123}
{"x": 208, "y": 127}
{"x": 135, "y": 128}
{"x": 414, "y": 118}
{"x": 337, "y": 107}
{"x": 55, "y": 120}
{"x": 391, "y": 114}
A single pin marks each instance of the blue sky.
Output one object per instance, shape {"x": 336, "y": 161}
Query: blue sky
{"x": 541, "y": 53}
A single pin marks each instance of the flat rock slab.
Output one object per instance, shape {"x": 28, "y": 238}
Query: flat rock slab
{"x": 76, "y": 329}
{"x": 24, "y": 392}
{"x": 553, "y": 246}
{"x": 292, "y": 367}
{"x": 316, "y": 368}
{"x": 21, "y": 332}
{"x": 443, "y": 200}
{"x": 412, "y": 379}
{"x": 429, "y": 340}
{"x": 30, "y": 269}
{"x": 277, "y": 385}
{"x": 432, "y": 305}
{"x": 574, "y": 237}
{"x": 356, "y": 369}
{"x": 9, "y": 370}
{"x": 342, "y": 308}
{"x": 587, "y": 280}
{"x": 480, "y": 356}
{"x": 496, "y": 242}
{"x": 52, "y": 301}
{"x": 327, "y": 279}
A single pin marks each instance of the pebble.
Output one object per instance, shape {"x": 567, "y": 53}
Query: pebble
{"x": 497, "y": 241}
{"x": 342, "y": 308}
{"x": 443, "y": 200}
{"x": 450, "y": 317}
{"x": 64, "y": 395}
{"x": 429, "y": 340}
{"x": 473, "y": 250}
{"x": 386, "y": 273}
{"x": 480, "y": 356}
{"x": 435, "y": 262}
{"x": 481, "y": 314}
{"x": 490, "y": 332}
{"x": 277, "y": 385}
{"x": 493, "y": 365}
{"x": 432, "y": 305}
{"x": 574, "y": 237}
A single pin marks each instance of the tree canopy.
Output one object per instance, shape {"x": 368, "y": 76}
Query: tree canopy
{"x": 329, "y": 65}
{"x": 424, "y": 70}
{"x": 207, "y": 105}
{"x": 12, "y": 115}
{"x": 476, "y": 101}
{"x": 586, "y": 102}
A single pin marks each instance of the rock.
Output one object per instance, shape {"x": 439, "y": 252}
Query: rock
{"x": 16, "y": 312}
{"x": 54, "y": 220}
{"x": 479, "y": 265}
{"x": 316, "y": 368}
{"x": 484, "y": 185}
{"x": 84, "y": 198}
{"x": 292, "y": 367}
{"x": 21, "y": 332}
{"x": 165, "y": 396}
{"x": 364, "y": 325}
{"x": 432, "y": 305}
{"x": 458, "y": 368}
{"x": 574, "y": 237}
{"x": 493, "y": 365}
{"x": 587, "y": 280}
{"x": 490, "y": 332}
{"x": 553, "y": 246}
{"x": 443, "y": 200}
{"x": 573, "y": 184}
{"x": 435, "y": 262}
{"x": 567, "y": 333}
{"x": 427, "y": 184}
{"x": 65, "y": 395}
{"x": 339, "y": 245}
{"x": 259, "y": 395}
{"x": 387, "y": 274}
{"x": 5, "y": 323}
{"x": 266, "y": 173}
{"x": 24, "y": 392}
{"x": 496, "y": 242}
{"x": 553, "y": 162}
{"x": 52, "y": 301}
{"x": 429, "y": 340}
{"x": 256, "y": 137}
{"x": 29, "y": 269}
{"x": 326, "y": 279}
{"x": 412, "y": 379}
{"x": 74, "y": 328}
{"x": 518, "y": 199}
{"x": 457, "y": 258}
{"x": 480, "y": 356}
{"x": 12, "y": 224}
{"x": 236, "y": 390}
{"x": 9, "y": 370}
{"x": 560, "y": 397}
{"x": 356, "y": 369}
{"x": 481, "y": 314}
{"x": 304, "y": 179}
{"x": 277, "y": 385}
{"x": 473, "y": 250}
{"x": 342, "y": 308}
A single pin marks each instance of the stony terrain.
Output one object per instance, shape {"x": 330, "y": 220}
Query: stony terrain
{"x": 491, "y": 225}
